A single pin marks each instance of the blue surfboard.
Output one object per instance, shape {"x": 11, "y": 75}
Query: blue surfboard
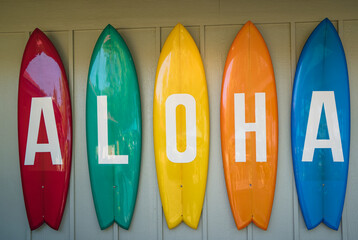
{"x": 320, "y": 127}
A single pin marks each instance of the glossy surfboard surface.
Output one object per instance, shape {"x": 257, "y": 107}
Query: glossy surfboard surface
{"x": 114, "y": 130}
{"x": 251, "y": 176}
{"x": 44, "y": 123}
{"x": 181, "y": 129}
{"x": 321, "y": 77}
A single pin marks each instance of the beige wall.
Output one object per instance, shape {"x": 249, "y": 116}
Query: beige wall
{"x": 74, "y": 27}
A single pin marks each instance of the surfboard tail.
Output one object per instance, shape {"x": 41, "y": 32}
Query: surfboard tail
{"x": 194, "y": 189}
{"x": 170, "y": 190}
{"x": 125, "y": 194}
{"x": 262, "y": 212}
{"x": 173, "y": 219}
{"x": 241, "y": 207}
{"x": 102, "y": 192}
{"x": 113, "y": 198}
{"x": 334, "y": 196}
{"x": 54, "y": 203}
{"x": 311, "y": 202}
{"x": 34, "y": 207}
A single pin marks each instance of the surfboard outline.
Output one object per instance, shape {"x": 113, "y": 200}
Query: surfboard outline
{"x": 112, "y": 75}
{"x": 182, "y": 198}
{"x": 250, "y": 182}
{"x": 45, "y": 181}
{"x": 318, "y": 48}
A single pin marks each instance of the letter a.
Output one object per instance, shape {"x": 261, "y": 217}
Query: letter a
{"x": 102, "y": 121}
{"x": 241, "y": 127}
{"x": 44, "y": 105}
{"x": 323, "y": 99}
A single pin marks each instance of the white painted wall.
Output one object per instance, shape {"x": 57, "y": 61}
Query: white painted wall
{"x": 74, "y": 26}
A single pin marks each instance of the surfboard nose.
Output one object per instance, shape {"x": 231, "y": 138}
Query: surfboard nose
{"x": 109, "y": 29}
{"x": 37, "y": 31}
{"x": 249, "y": 23}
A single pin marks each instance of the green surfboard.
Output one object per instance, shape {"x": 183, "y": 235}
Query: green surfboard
{"x": 114, "y": 130}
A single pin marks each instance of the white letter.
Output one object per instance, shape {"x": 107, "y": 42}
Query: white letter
{"x": 44, "y": 105}
{"x": 102, "y": 119}
{"x": 171, "y": 104}
{"x": 323, "y": 99}
{"x": 241, "y": 127}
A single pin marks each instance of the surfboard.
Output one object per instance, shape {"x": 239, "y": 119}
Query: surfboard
{"x": 320, "y": 127}
{"x": 181, "y": 129}
{"x": 249, "y": 128}
{"x": 114, "y": 130}
{"x": 44, "y": 131}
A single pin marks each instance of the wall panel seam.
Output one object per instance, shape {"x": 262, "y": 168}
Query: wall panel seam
{"x": 296, "y": 234}
{"x": 250, "y": 232}
{"x": 159, "y": 204}
{"x": 117, "y": 28}
{"x": 72, "y": 181}
{"x": 28, "y": 230}
{"x": 205, "y": 207}
{"x": 115, "y": 231}
{"x": 171, "y": 26}
{"x": 344, "y": 230}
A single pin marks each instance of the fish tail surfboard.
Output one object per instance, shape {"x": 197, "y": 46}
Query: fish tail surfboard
{"x": 249, "y": 128}
{"x": 320, "y": 127}
{"x": 114, "y": 130}
{"x": 44, "y": 131}
{"x": 181, "y": 129}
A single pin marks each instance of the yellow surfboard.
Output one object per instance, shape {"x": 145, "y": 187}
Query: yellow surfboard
{"x": 181, "y": 129}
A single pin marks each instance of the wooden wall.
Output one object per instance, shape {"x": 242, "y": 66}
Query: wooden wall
{"x": 74, "y": 26}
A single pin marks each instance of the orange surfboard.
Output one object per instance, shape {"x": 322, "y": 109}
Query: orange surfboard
{"x": 249, "y": 128}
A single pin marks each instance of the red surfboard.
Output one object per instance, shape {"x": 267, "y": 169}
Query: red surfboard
{"x": 45, "y": 132}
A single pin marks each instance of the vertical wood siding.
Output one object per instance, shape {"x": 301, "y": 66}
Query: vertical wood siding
{"x": 284, "y": 40}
